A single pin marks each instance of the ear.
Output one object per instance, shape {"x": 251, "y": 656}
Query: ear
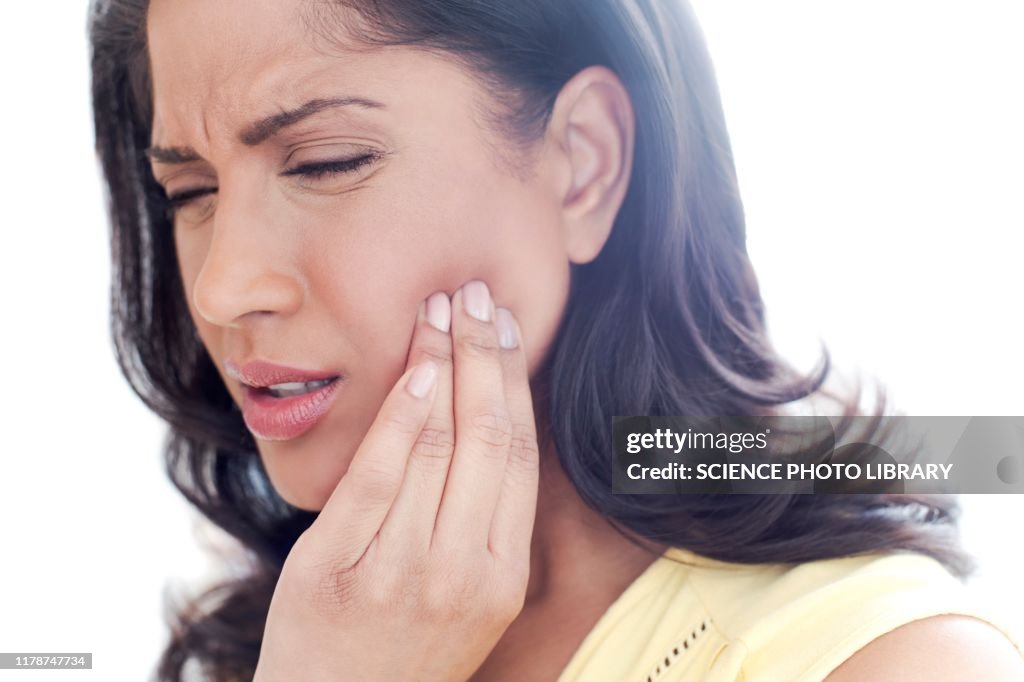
{"x": 591, "y": 127}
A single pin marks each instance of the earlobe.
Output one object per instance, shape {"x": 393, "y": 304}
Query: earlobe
{"x": 593, "y": 123}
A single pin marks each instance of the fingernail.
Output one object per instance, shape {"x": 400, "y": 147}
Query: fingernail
{"x": 476, "y": 300}
{"x": 507, "y": 336}
{"x": 439, "y": 311}
{"x": 422, "y": 379}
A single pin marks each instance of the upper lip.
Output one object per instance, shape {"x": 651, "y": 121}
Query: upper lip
{"x": 261, "y": 373}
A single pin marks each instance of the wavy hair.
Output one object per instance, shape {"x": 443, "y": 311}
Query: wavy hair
{"x": 667, "y": 320}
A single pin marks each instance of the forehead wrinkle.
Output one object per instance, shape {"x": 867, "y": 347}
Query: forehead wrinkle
{"x": 283, "y": 88}
{"x": 216, "y": 76}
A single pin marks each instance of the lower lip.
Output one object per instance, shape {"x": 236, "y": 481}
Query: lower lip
{"x": 273, "y": 418}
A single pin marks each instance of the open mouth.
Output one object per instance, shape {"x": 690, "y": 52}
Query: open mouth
{"x": 294, "y": 388}
{"x": 286, "y": 410}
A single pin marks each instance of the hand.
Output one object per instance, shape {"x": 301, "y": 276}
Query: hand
{"x": 419, "y": 560}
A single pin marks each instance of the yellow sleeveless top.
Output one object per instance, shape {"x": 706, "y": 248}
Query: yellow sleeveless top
{"x": 720, "y": 622}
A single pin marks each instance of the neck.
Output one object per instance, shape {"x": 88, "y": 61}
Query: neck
{"x": 575, "y": 548}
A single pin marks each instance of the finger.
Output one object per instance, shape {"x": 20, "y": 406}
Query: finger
{"x": 482, "y": 424}
{"x": 512, "y": 525}
{"x": 357, "y": 507}
{"x": 409, "y": 525}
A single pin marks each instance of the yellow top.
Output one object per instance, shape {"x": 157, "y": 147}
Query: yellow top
{"x": 720, "y": 622}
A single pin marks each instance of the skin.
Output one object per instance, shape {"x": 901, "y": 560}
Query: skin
{"x": 420, "y": 558}
{"x": 947, "y": 648}
{"x": 330, "y": 274}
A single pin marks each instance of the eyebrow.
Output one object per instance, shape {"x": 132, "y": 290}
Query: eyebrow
{"x": 262, "y": 130}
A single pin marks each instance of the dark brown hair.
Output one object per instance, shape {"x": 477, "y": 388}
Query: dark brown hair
{"x": 668, "y": 320}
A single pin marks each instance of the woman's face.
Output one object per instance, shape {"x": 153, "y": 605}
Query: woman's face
{"x": 325, "y": 273}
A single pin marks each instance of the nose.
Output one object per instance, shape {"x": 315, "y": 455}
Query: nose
{"x": 246, "y": 271}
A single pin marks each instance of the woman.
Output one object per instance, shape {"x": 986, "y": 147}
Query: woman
{"x": 389, "y": 269}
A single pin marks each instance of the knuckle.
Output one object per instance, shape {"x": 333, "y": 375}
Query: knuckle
{"x": 524, "y": 452}
{"x": 375, "y": 485}
{"x": 398, "y": 588}
{"x": 402, "y": 422}
{"x": 383, "y": 593}
{"x": 438, "y": 604}
{"x": 416, "y": 575}
{"x": 494, "y": 429}
{"x": 476, "y": 343}
{"x": 440, "y": 356}
{"x": 436, "y": 441}
{"x": 334, "y": 590}
{"x": 455, "y": 599}
{"x": 469, "y": 590}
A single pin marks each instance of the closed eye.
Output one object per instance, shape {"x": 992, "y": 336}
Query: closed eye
{"x": 320, "y": 169}
{"x": 316, "y": 171}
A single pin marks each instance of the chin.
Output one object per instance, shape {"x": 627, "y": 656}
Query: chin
{"x": 302, "y": 480}
{"x": 306, "y": 503}
{"x": 304, "y": 495}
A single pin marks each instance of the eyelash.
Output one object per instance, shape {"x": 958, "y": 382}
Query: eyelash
{"x": 317, "y": 171}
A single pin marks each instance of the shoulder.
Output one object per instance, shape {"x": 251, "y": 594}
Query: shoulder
{"x": 946, "y": 647}
{"x": 806, "y": 621}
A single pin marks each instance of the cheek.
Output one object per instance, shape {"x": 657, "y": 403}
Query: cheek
{"x": 387, "y": 260}
{"x": 528, "y": 273}
{"x": 367, "y": 265}
{"x": 515, "y": 245}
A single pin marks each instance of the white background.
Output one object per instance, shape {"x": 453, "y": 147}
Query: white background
{"x": 881, "y": 162}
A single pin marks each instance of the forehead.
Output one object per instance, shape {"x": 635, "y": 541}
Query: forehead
{"x": 197, "y": 47}
{"x": 217, "y": 65}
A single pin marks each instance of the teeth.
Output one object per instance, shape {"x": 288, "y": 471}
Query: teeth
{"x": 296, "y": 387}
